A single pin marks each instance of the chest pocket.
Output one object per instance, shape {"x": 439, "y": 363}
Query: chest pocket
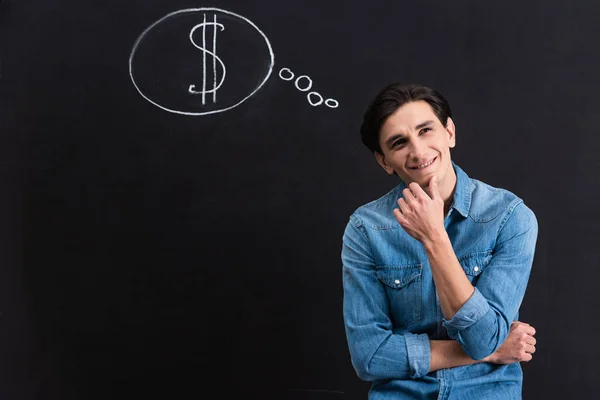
{"x": 474, "y": 264}
{"x": 403, "y": 286}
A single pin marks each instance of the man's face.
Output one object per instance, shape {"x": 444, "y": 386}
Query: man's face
{"x": 415, "y": 145}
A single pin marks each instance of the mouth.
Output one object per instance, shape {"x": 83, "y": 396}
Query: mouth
{"x": 424, "y": 166}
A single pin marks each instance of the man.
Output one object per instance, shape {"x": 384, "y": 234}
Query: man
{"x": 434, "y": 271}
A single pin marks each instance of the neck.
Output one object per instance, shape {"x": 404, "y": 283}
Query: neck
{"x": 447, "y": 188}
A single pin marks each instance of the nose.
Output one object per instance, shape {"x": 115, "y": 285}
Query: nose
{"x": 417, "y": 149}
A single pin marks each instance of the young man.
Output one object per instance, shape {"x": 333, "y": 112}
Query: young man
{"x": 434, "y": 271}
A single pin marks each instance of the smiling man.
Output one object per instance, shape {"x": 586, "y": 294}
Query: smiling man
{"x": 434, "y": 271}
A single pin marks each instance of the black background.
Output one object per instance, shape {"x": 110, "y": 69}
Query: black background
{"x": 149, "y": 254}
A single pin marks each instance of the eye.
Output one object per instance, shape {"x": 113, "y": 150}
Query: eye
{"x": 424, "y": 130}
{"x": 399, "y": 143}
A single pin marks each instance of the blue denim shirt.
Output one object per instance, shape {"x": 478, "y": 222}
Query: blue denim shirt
{"x": 391, "y": 308}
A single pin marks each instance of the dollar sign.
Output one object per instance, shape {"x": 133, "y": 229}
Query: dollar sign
{"x": 215, "y": 59}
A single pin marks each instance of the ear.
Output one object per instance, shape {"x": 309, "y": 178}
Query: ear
{"x": 451, "y": 130}
{"x": 381, "y": 160}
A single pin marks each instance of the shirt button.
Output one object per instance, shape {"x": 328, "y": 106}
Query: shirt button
{"x": 476, "y": 269}
{"x": 397, "y": 281}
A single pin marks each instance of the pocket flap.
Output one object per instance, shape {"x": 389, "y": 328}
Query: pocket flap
{"x": 474, "y": 264}
{"x": 399, "y": 276}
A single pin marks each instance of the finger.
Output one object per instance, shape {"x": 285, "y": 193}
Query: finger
{"x": 530, "y": 349}
{"x": 527, "y": 357}
{"x": 433, "y": 187}
{"x": 401, "y": 218}
{"x": 408, "y": 195}
{"x": 522, "y": 327}
{"x": 404, "y": 207}
{"x": 516, "y": 324}
{"x": 528, "y": 329}
{"x": 417, "y": 191}
{"x": 530, "y": 340}
{"x": 398, "y": 214}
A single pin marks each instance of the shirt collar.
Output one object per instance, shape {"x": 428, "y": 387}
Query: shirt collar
{"x": 462, "y": 192}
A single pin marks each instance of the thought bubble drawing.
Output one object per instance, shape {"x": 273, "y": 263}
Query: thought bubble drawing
{"x": 200, "y": 61}
{"x": 314, "y": 98}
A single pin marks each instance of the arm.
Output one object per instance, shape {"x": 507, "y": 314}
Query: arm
{"x": 422, "y": 217}
{"x": 482, "y": 324}
{"x": 448, "y": 354}
{"x": 376, "y": 352}
{"x": 478, "y": 318}
{"x": 518, "y": 346}
{"x": 453, "y": 287}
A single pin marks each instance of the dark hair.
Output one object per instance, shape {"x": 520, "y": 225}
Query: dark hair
{"x": 392, "y": 97}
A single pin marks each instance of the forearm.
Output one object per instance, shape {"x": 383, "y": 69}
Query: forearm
{"x": 473, "y": 324}
{"x": 392, "y": 361}
{"x": 452, "y": 285}
{"x": 448, "y": 354}
{"x": 383, "y": 355}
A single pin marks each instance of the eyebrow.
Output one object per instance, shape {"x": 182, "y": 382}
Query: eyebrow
{"x": 400, "y": 136}
{"x": 423, "y": 125}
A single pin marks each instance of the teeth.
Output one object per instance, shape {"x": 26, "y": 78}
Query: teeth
{"x": 426, "y": 164}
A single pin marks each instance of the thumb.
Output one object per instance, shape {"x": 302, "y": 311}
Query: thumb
{"x": 433, "y": 187}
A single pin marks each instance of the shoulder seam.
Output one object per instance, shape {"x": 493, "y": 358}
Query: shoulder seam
{"x": 509, "y": 212}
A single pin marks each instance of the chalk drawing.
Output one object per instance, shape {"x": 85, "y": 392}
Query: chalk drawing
{"x": 313, "y": 103}
{"x": 159, "y": 69}
{"x": 332, "y": 103}
{"x": 289, "y": 75}
{"x": 215, "y": 58}
{"x": 148, "y": 81}
{"x": 308, "y": 86}
{"x": 314, "y": 98}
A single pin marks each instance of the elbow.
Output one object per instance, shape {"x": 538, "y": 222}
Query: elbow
{"x": 361, "y": 355}
{"x": 364, "y": 375}
{"x": 474, "y": 346}
{"x": 361, "y": 367}
{"x": 480, "y": 347}
{"x": 483, "y": 338}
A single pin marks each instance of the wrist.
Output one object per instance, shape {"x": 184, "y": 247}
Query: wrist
{"x": 436, "y": 240}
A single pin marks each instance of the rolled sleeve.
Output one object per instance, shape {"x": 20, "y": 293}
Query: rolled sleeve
{"x": 418, "y": 350}
{"x": 472, "y": 311}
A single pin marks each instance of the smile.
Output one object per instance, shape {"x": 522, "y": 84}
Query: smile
{"x": 425, "y": 165}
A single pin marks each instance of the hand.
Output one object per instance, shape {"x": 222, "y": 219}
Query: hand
{"x": 518, "y": 346}
{"x": 421, "y": 216}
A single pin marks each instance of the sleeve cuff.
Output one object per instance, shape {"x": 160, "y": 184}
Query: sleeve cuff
{"x": 475, "y": 308}
{"x": 419, "y": 353}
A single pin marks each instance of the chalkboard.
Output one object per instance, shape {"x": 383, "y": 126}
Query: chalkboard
{"x": 176, "y": 177}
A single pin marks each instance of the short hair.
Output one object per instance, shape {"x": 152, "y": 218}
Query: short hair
{"x": 392, "y": 97}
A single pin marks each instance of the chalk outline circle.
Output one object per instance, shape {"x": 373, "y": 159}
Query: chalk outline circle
{"x": 290, "y": 71}
{"x": 337, "y": 103}
{"x": 311, "y": 103}
{"x": 139, "y": 39}
{"x": 308, "y": 87}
